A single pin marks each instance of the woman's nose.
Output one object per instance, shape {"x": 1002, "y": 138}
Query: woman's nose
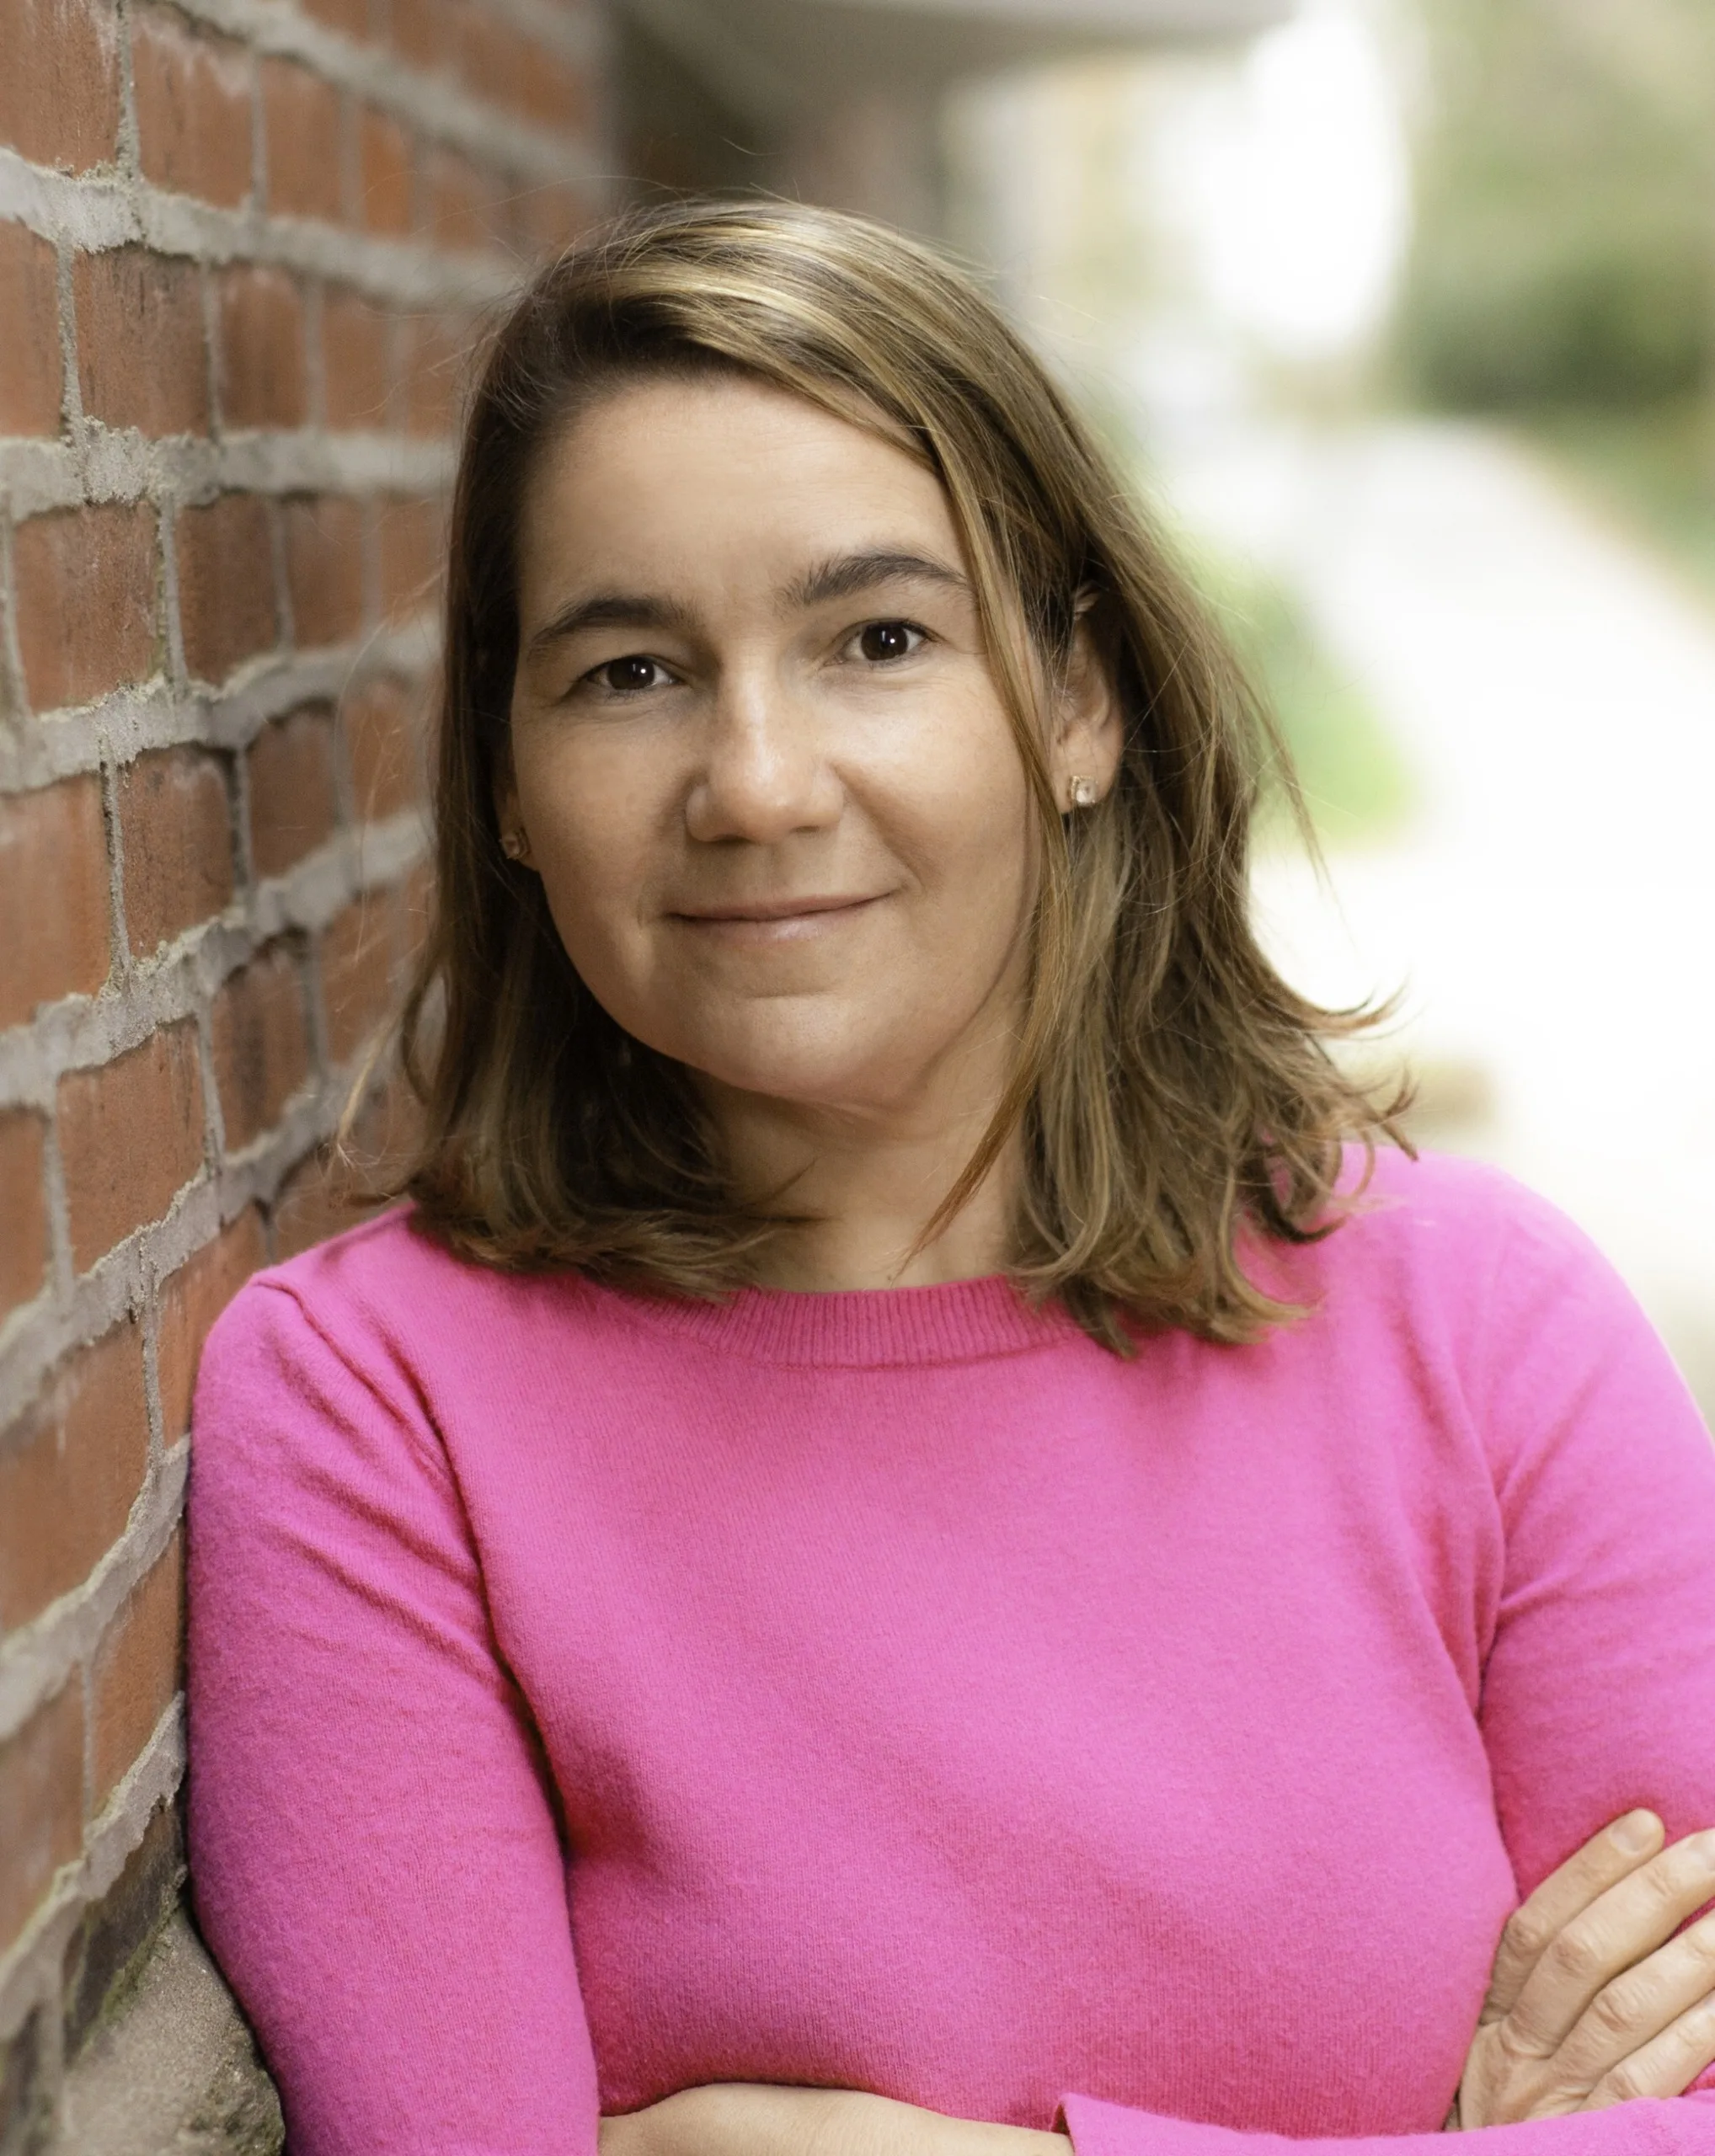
{"x": 763, "y": 773}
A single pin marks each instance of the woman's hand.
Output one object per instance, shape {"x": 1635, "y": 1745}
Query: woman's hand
{"x": 739, "y": 2118}
{"x": 1594, "y": 2001}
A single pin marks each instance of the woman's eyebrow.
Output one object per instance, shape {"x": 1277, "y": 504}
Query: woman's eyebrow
{"x": 843, "y": 576}
{"x": 612, "y": 610}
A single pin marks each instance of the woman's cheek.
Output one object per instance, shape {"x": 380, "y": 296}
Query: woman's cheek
{"x": 593, "y": 890}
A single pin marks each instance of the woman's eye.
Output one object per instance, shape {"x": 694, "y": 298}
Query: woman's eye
{"x": 627, "y": 676}
{"x": 882, "y": 641}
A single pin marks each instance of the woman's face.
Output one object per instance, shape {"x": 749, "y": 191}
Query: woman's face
{"x": 758, "y": 755}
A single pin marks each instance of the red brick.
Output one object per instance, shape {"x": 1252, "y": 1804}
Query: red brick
{"x": 303, "y": 121}
{"x": 356, "y": 366}
{"x": 141, "y": 358}
{"x": 261, "y": 368}
{"x": 131, "y": 1137}
{"x": 350, "y": 18}
{"x": 226, "y": 584}
{"x": 136, "y": 1671}
{"x": 385, "y": 179}
{"x": 310, "y": 1207}
{"x": 357, "y": 969}
{"x": 416, "y": 909}
{"x": 293, "y": 807}
{"x": 556, "y": 95}
{"x": 552, "y": 217}
{"x": 324, "y": 568}
{"x": 465, "y": 206}
{"x": 435, "y": 374}
{"x": 386, "y": 1131}
{"x": 41, "y": 1801}
{"x": 413, "y": 547}
{"x": 494, "y": 60}
{"x": 194, "y": 108}
{"x": 53, "y": 895}
{"x": 261, "y": 1043}
{"x": 112, "y": 1937}
{"x": 327, "y": 1193}
{"x": 512, "y": 71}
{"x": 87, "y": 582}
{"x": 23, "y": 1248}
{"x": 383, "y": 739}
{"x": 453, "y": 196}
{"x": 59, "y": 87}
{"x": 422, "y": 32}
{"x": 69, "y": 1475}
{"x": 190, "y": 1302}
{"x": 31, "y": 380}
{"x": 175, "y": 822}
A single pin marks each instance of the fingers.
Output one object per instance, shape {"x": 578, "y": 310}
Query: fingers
{"x": 1666, "y": 2066}
{"x": 1616, "y": 1932}
{"x": 1603, "y": 1862}
{"x": 1650, "y": 2000}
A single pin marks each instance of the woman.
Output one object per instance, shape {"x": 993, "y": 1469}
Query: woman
{"x": 904, "y": 1550}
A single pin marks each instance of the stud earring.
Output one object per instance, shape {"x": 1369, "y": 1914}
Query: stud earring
{"x": 512, "y": 845}
{"x": 1083, "y": 793}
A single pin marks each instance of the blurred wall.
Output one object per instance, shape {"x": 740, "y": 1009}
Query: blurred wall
{"x": 688, "y": 121}
{"x": 676, "y": 131}
{"x": 241, "y": 241}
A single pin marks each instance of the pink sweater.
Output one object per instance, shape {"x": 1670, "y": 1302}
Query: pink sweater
{"x": 593, "y": 1696}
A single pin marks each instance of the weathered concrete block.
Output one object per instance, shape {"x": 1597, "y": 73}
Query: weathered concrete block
{"x": 172, "y": 2071}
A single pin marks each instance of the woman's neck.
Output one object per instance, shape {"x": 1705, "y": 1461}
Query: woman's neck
{"x": 868, "y": 1184}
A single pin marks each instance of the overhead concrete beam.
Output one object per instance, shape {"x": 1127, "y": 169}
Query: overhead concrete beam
{"x": 771, "y": 59}
{"x": 836, "y": 101}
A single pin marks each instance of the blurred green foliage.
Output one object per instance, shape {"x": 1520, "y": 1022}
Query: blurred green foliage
{"x": 1654, "y": 468}
{"x": 1353, "y": 779}
{"x": 1565, "y": 245}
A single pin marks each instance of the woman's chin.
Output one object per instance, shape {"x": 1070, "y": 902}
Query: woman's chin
{"x": 815, "y": 1078}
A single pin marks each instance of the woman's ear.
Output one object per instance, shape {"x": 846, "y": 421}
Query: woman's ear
{"x": 515, "y": 841}
{"x": 506, "y": 785}
{"x": 1089, "y": 731}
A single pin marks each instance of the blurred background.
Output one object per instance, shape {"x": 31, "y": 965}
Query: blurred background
{"x": 1403, "y": 314}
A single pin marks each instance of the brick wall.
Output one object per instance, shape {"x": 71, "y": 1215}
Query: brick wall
{"x": 242, "y": 243}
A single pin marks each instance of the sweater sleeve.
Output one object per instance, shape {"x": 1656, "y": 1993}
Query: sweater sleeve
{"x": 1599, "y": 1685}
{"x": 1685, "y": 2127}
{"x": 375, "y": 1851}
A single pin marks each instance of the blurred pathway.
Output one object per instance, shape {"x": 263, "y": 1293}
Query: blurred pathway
{"x": 1552, "y": 909}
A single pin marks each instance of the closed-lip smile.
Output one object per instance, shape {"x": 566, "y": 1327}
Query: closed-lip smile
{"x": 767, "y": 909}
{"x": 762, "y": 922}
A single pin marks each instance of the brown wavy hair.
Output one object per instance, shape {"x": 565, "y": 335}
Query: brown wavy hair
{"x": 1174, "y": 1096}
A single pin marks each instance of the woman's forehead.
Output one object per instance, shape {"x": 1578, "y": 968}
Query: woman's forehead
{"x": 672, "y": 431}
{"x": 702, "y": 483}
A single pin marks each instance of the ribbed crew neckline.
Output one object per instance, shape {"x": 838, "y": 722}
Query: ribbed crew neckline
{"x": 953, "y": 1322}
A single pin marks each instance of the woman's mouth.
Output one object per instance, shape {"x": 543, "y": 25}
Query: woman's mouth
{"x": 775, "y": 921}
